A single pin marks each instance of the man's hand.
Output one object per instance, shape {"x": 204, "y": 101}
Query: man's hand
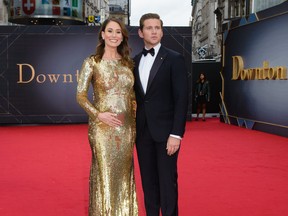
{"x": 173, "y": 145}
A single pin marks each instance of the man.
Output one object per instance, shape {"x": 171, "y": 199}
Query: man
{"x": 161, "y": 95}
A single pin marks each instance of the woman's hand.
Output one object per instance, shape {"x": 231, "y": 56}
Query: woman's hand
{"x": 109, "y": 119}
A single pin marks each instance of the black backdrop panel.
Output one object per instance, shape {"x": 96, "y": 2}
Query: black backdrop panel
{"x": 40, "y": 64}
{"x": 212, "y": 71}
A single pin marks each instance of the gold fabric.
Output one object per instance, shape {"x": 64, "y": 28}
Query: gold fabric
{"x": 112, "y": 184}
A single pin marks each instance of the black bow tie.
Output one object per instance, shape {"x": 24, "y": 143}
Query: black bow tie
{"x": 151, "y": 51}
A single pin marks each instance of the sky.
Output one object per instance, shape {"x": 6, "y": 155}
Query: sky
{"x": 173, "y": 13}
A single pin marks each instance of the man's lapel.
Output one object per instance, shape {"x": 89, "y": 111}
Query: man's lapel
{"x": 156, "y": 65}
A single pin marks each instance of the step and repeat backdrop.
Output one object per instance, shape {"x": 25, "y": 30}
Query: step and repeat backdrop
{"x": 255, "y": 84}
{"x": 39, "y": 69}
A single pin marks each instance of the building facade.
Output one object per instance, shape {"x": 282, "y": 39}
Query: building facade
{"x": 206, "y": 43}
{"x": 120, "y": 9}
{"x": 209, "y": 18}
{"x": 3, "y": 12}
{"x": 96, "y": 11}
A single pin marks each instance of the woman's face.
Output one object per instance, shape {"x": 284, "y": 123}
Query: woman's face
{"x": 202, "y": 76}
{"x": 112, "y": 35}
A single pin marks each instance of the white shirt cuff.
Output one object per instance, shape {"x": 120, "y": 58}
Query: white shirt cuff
{"x": 176, "y": 136}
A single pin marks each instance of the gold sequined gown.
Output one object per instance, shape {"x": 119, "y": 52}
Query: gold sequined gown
{"x": 112, "y": 184}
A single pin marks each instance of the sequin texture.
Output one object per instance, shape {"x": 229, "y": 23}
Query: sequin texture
{"x": 112, "y": 184}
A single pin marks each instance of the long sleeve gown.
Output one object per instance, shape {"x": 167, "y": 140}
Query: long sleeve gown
{"x": 112, "y": 185}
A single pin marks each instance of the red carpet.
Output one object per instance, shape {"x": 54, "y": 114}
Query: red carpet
{"x": 223, "y": 171}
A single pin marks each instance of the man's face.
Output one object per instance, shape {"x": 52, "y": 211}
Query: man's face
{"x": 151, "y": 33}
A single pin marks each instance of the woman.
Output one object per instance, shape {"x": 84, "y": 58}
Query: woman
{"x": 111, "y": 122}
{"x": 202, "y": 95}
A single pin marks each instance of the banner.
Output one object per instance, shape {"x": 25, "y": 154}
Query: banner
{"x": 66, "y": 9}
{"x": 39, "y": 69}
{"x": 255, "y": 72}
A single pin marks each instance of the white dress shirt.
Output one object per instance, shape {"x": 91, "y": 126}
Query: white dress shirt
{"x": 145, "y": 66}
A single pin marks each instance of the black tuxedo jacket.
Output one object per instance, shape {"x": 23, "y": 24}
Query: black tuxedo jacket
{"x": 164, "y": 106}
